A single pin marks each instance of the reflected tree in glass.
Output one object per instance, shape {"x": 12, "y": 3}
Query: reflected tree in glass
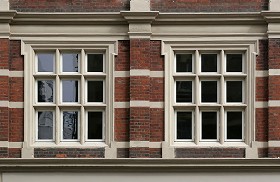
{"x": 70, "y": 125}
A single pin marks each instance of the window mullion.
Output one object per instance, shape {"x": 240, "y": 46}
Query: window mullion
{"x": 196, "y": 93}
{"x": 222, "y": 128}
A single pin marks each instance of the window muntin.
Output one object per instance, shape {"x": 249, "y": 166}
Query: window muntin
{"x": 63, "y": 94}
{"x": 215, "y": 91}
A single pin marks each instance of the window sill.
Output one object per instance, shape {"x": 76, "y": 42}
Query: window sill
{"x": 208, "y": 144}
{"x": 69, "y": 144}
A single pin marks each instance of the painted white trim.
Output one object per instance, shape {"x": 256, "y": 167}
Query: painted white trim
{"x": 261, "y": 73}
{"x": 273, "y": 143}
{"x": 138, "y": 144}
{"x": 139, "y": 103}
{"x": 257, "y": 144}
{"x": 4, "y": 103}
{"x": 16, "y": 105}
{"x": 157, "y": 74}
{"x": 274, "y": 103}
{"x": 15, "y": 144}
{"x": 121, "y": 74}
{"x": 121, "y": 144}
{"x": 261, "y": 104}
{"x": 4, "y": 144}
{"x": 133, "y": 144}
{"x": 11, "y": 144}
{"x": 4, "y": 72}
{"x": 139, "y": 72}
{"x": 121, "y": 105}
{"x": 16, "y": 73}
{"x": 157, "y": 104}
{"x": 274, "y": 71}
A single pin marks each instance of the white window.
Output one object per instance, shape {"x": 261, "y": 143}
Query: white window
{"x": 209, "y": 102}
{"x": 72, "y": 103}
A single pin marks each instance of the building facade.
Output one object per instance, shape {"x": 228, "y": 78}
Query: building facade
{"x": 118, "y": 79}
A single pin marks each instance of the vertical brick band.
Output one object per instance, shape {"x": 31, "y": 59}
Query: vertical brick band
{"x": 273, "y": 95}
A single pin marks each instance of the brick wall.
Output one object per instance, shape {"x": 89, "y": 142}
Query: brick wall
{"x": 209, "y": 5}
{"x": 69, "y": 5}
{"x": 210, "y": 153}
{"x": 68, "y": 153}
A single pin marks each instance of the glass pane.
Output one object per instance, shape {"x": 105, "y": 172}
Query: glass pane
{"x": 234, "y": 125}
{"x": 209, "y": 125}
{"x": 184, "y": 125}
{"x": 45, "y": 90}
{"x": 208, "y": 62}
{"x": 70, "y": 62}
{"x": 95, "y": 125}
{"x": 70, "y": 90}
{"x": 209, "y": 91}
{"x": 95, "y": 63}
{"x": 183, "y": 62}
{"x": 234, "y": 62}
{"x": 95, "y": 91}
{"x": 45, "y": 62}
{"x": 70, "y": 125}
{"x": 184, "y": 91}
{"x": 45, "y": 125}
{"x": 234, "y": 91}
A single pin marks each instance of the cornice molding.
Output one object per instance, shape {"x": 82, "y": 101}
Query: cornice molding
{"x": 271, "y": 16}
{"x": 7, "y": 16}
{"x": 210, "y": 18}
{"x": 139, "y": 165}
{"x": 140, "y": 17}
{"x": 68, "y": 18}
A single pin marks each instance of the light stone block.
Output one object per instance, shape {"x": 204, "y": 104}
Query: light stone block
{"x": 4, "y": 5}
{"x": 139, "y": 5}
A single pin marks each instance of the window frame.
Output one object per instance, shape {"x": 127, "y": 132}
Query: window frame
{"x": 248, "y": 50}
{"x": 29, "y": 50}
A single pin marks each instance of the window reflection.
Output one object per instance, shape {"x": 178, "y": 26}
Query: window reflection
{"x": 70, "y": 62}
{"x": 45, "y": 90}
{"x": 45, "y": 125}
{"x": 70, "y": 125}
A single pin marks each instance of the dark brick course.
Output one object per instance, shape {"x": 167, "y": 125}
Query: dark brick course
{"x": 68, "y": 153}
{"x": 210, "y": 153}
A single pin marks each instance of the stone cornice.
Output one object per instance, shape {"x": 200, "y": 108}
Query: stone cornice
{"x": 271, "y": 17}
{"x": 210, "y": 18}
{"x": 140, "y": 165}
{"x": 68, "y": 18}
{"x": 7, "y": 16}
{"x": 140, "y": 17}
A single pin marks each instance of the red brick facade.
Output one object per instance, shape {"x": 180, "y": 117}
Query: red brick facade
{"x": 209, "y": 5}
{"x": 139, "y": 78}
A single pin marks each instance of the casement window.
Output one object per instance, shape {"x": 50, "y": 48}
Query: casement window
{"x": 71, "y": 89}
{"x": 209, "y": 100}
